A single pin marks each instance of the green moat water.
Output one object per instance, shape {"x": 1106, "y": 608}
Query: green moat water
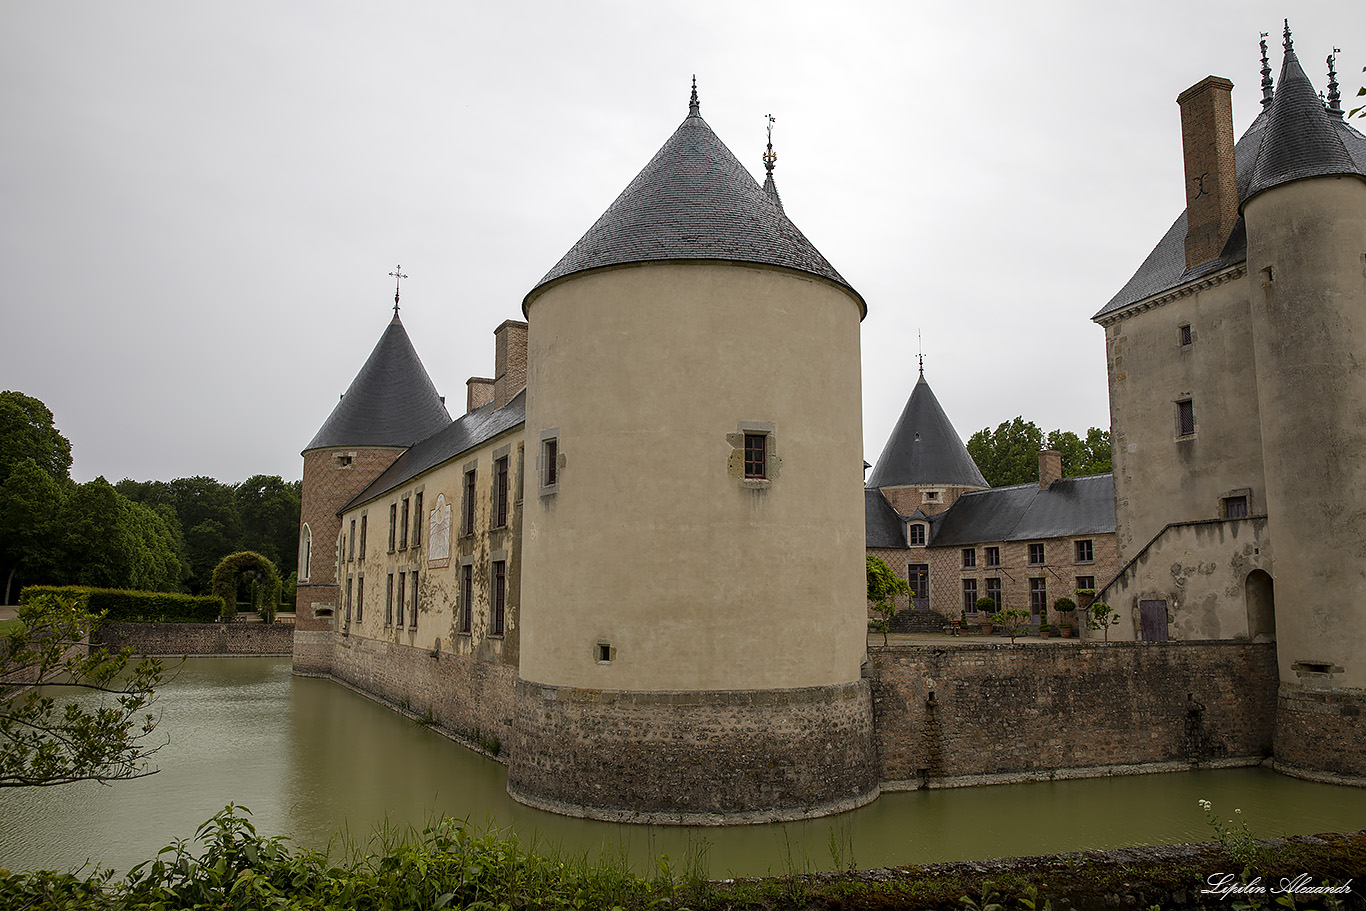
{"x": 311, "y": 758}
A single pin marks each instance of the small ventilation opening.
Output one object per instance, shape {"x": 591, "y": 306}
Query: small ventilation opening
{"x": 1325, "y": 668}
{"x": 604, "y": 652}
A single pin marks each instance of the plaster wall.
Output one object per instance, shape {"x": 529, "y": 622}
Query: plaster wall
{"x": 1162, "y": 476}
{"x": 654, "y": 543}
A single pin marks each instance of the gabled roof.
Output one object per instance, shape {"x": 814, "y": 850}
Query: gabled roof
{"x": 1165, "y": 267}
{"x": 924, "y": 448}
{"x": 1025, "y": 512}
{"x": 391, "y": 402}
{"x": 882, "y": 526}
{"x": 693, "y": 201}
{"x": 461, "y": 435}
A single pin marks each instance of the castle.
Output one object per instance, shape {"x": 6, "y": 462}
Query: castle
{"x": 631, "y": 567}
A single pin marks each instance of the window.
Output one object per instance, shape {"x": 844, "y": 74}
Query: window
{"x": 403, "y": 527}
{"x": 342, "y": 461}
{"x": 393, "y": 525}
{"x": 994, "y": 591}
{"x": 417, "y": 519}
{"x": 1085, "y": 553}
{"x": 1036, "y": 555}
{"x": 499, "y": 603}
{"x": 1185, "y": 418}
{"x": 1038, "y": 595}
{"x": 1235, "y": 507}
{"x": 360, "y": 598}
{"x": 993, "y": 556}
{"x": 932, "y": 496}
{"x": 389, "y": 600}
{"x": 1185, "y": 335}
{"x": 402, "y": 597}
{"x": 970, "y": 595}
{"x": 412, "y": 616}
{"x": 305, "y": 552}
{"x": 466, "y": 598}
{"x": 467, "y": 526}
{"x": 916, "y": 535}
{"x": 755, "y": 463}
{"x": 500, "y": 493}
{"x": 349, "y": 583}
{"x": 1086, "y": 583}
{"x": 550, "y": 462}
{"x": 969, "y": 557}
{"x": 351, "y": 554}
{"x": 362, "y": 536}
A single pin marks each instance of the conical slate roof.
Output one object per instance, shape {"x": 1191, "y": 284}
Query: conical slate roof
{"x": 391, "y": 402}
{"x": 694, "y": 200}
{"x": 924, "y": 448}
{"x": 1300, "y": 140}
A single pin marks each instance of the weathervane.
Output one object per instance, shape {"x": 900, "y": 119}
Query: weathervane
{"x": 920, "y": 353}
{"x": 397, "y": 276}
{"x": 770, "y": 157}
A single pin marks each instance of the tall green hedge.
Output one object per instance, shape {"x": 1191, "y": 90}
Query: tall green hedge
{"x": 123, "y": 606}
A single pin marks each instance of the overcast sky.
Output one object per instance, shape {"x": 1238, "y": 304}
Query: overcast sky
{"x": 200, "y": 203}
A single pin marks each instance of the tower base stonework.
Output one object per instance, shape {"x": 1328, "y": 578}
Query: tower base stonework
{"x": 696, "y": 757}
{"x": 1321, "y": 734}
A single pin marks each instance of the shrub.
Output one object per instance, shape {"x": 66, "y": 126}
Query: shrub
{"x": 124, "y": 606}
{"x": 1064, "y": 604}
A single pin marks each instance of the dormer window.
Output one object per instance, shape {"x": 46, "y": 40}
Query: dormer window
{"x": 933, "y": 496}
{"x": 915, "y": 534}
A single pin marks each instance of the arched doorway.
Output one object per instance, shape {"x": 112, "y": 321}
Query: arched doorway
{"x": 1259, "y": 592}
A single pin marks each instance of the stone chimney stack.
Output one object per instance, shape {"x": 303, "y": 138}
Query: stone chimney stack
{"x": 1211, "y": 178}
{"x": 1050, "y": 468}
{"x": 478, "y": 392}
{"x": 509, "y": 361}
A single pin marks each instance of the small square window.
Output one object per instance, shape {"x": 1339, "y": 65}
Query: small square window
{"x": 756, "y": 463}
{"x": 969, "y": 557}
{"x": 1036, "y": 555}
{"x": 1235, "y": 507}
{"x": 916, "y": 534}
{"x": 604, "y": 652}
{"x": 993, "y": 556}
{"x": 931, "y": 496}
{"x": 1085, "y": 552}
{"x": 1185, "y": 335}
{"x": 1185, "y": 418}
{"x": 1086, "y": 583}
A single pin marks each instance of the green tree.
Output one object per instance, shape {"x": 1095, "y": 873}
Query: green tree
{"x": 27, "y": 432}
{"x": 268, "y": 508}
{"x": 107, "y": 541}
{"x": 883, "y": 588}
{"x": 30, "y": 501}
{"x": 1010, "y": 453}
{"x": 47, "y": 742}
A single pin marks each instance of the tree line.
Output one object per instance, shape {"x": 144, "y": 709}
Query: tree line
{"x": 1010, "y": 453}
{"x": 150, "y": 535}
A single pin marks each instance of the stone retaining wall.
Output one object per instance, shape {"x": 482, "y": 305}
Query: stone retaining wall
{"x": 175, "y": 639}
{"x": 1321, "y": 734}
{"x": 972, "y": 714}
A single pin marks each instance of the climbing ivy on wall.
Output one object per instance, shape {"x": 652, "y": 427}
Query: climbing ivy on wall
{"x": 232, "y": 567}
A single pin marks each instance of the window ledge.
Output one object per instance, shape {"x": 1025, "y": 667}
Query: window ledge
{"x": 756, "y": 483}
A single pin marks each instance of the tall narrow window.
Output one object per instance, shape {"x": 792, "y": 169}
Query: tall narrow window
{"x": 994, "y": 592}
{"x": 500, "y": 493}
{"x": 305, "y": 553}
{"x": 389, "y": 599}
{"x": 402, "y": 597}
{"x": 349, "y": 583}
{"x": 360, "y": 598}
{"x": 756, "y": 461}
{"x": 466, "y": 598}
{"x": 412, "y": 616}
{"x": 403, "y": 527}
{"x": 550, "y": 458}
{"x": 970, "y": 595}
{"x": 1036, "y": 555}
{"x": 916, "y": 535}
{"x": 351, "y": 552}
{"x": 1185, "y": 335}
{"x": 362, "y": 536}
{"x": 1038, "y": 595}
{"x": 467, "y": 526}
{"x": 417, "y": 519}
{"x": 499, "y": 602}
{"x": 1185, "y": 418}
{"x": 393, "y": 525}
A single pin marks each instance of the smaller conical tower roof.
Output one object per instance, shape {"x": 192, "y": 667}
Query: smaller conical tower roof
{"x": 391, "y": 402}
{"x": 1299, "y": 140}
{"x": 924, "y": 448}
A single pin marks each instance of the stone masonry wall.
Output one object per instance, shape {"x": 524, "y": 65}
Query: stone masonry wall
{"x": 693, "y": 757}
{"x": 1321, "y": 731}
{"x": 173, "y": 639}
{"x": 975, "y": 713}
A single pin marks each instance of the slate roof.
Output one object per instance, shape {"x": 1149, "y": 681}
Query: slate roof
{"x": 693, "y": 201}
{"x": 463, "y": 434}
{"x": 924, "y": 448}
{"x": 391, "y": 402}
{"x": 1070, "y": 506}
{"x": 1165, "y": 267}
{"x": 881, "y": 525}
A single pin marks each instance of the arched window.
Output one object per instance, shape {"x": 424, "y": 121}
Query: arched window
{"x": 305, "y": 552}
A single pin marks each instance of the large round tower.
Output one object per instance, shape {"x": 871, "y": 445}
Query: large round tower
{"x": 693, "y": 617}
{"x": 1306, "y": 232}
{"x": 391, "y": 404}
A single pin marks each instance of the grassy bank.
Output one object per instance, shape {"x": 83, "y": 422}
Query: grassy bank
{"x": 451, "y": 865}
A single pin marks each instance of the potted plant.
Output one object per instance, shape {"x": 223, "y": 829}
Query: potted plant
{"x": 984, "y": 607}
{"x": 1085, "y": 596}
{"x": 1067, "y": 613}
{"x": 1014, "y": 620}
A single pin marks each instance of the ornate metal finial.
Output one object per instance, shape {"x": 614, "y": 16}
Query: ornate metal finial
{"x": 770, "y": 157}
{"x": 398, "y": 276}
{"x": 694, "y": 109}
{"x": 1268, "y": 92}
{"x": 920, "y": 355}
{"x": 1334, "y": 106}
{"x": 1289, "y": 42}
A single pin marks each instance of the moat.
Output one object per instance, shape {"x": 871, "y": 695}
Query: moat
{"x": 311, "y": 759}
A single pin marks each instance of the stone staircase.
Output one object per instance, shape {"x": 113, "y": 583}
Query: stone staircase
{"x": 923, "y": 620}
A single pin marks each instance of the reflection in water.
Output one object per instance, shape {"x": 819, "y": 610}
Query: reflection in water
{"x": 311, "y": 759}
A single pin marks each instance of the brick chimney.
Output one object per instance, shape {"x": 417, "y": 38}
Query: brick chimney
{"x": 1050, "y": 467}
{"x": 1211, "y": 178}
{"x": 509, "y": 361}
{"x": 478, "y": 391}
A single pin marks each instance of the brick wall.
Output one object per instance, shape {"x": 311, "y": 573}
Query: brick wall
{"x": 1040, "y": 709}
{"x": 1321, "y": 731}
{"x": 702, "y": 757}
{"x": 173, "y": 639}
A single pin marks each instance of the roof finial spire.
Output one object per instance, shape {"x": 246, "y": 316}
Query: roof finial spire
{"x": 770, "y": 157}
{"x": 398, "y": 276}
{"x": 1268, "y": 92}
{"x": 694, "y": 109}
{"x": 1334, "y": 97}
{"x": 1289, "y": 42}
{"x": 920, "y": 353}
